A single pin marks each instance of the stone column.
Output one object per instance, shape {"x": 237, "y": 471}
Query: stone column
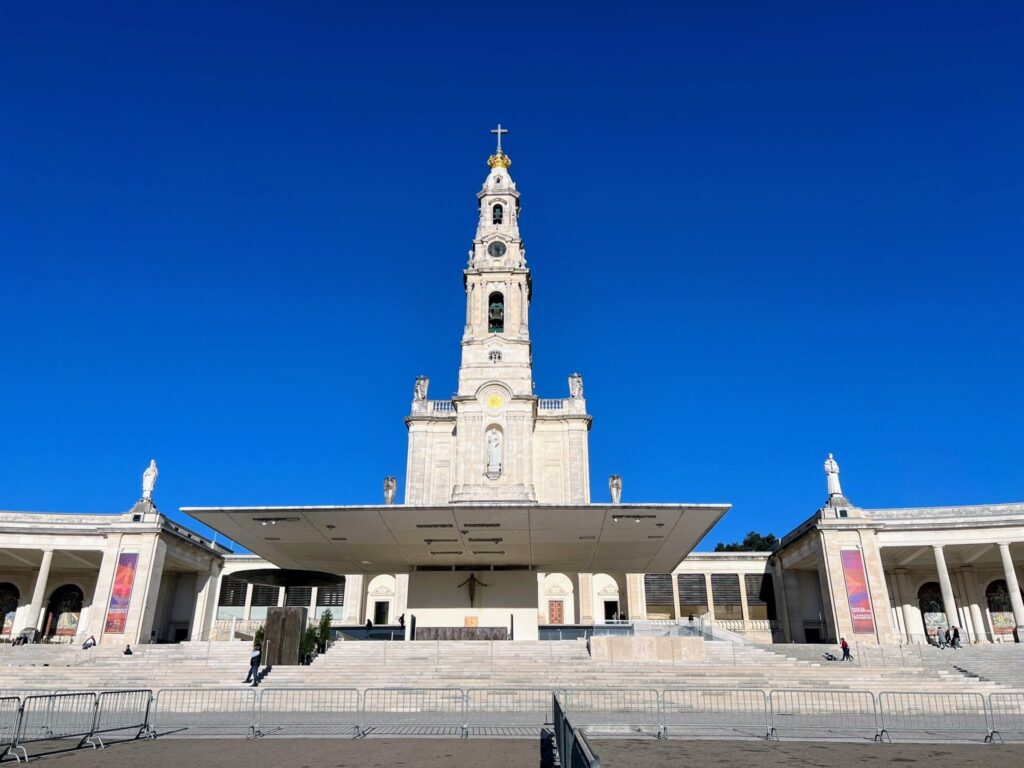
{"x": 247, "y": 610}
{"x": 744, "y": 608}
{"x": 791, "y": 590}
{"x": 312, "y": 604}
{"x": 976, "y": 601}
{"x": 675, "y": 596}
{"x": 911, "y": 624}
{"x": 280, "y": 597}
{"x": 35, "y": 611}
{"x": 709, "y": 596}
{"x": 353, "y": 608}
{"x": 948, "y": 601}
{"x": 635, "y": 597}
{"x": 585, "y": 592}
{"x": 401, "y": 596}
{"x": 1010, "y": 574}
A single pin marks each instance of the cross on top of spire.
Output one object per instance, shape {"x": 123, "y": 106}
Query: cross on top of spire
{"x": 499, "y": 159}
{"x": 499, "y": 130}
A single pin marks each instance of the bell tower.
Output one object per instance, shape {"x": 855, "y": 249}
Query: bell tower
{"x": 496, "y": 340}
{"x": 495, "y": 441}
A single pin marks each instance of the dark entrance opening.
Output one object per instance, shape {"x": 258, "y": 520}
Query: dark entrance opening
{"x": 380, "y": 612}
{"x": 611, "y": 610}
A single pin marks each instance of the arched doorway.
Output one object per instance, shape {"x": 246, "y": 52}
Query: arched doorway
{"x": 559, "y": 605}
{"x": 607, "y": 607}
{"x": 933, "y": 609}
{"x": 380, "y": 599}
{"x": 1000, "y": 609}
{"x": 10, "y": 595}
{"x": 63, "y": 612}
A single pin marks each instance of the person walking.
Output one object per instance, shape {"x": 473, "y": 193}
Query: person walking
{"x": 127, "y": 650}
{"x": 949, "y": 641}
{"x": 955, "y": 638}
{"x": 846, "y": 649}
{"x": 940, "y": 638}
{"x": 89, "y": 643}
{"x": 254, "y": 665}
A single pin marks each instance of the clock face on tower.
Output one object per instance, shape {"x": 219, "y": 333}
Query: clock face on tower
{"x": 496, "y": 249}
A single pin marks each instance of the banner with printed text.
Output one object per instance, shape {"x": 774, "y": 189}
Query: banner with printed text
{"x": 121, "y": 594}
{"x": 857, "y": 592}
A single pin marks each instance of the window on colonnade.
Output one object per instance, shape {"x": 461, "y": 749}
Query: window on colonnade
{"x": 331, "y": 599}
{"x": 725, "y": 594}
{"x": 231, "y": 601}
{"x": 658, "y": 593}
{"x": 760, "y": 596}
{"x": 298, "y": 597}
{"x": 263, "y": 596}
{"x": 693, "y": 595}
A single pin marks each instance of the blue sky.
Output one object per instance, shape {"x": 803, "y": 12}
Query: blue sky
{"x": 232, "y": 234}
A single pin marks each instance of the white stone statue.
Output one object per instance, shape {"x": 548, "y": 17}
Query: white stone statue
{"x": 832, "y": 475}
{"x": 149, "y": 480}
{"x": 493, "y": 452}
{"x": 575, "y": 385}
{"x": 420, "y": 391}
{"x": 390, "y": 484}
{"x": 615, "y": 487}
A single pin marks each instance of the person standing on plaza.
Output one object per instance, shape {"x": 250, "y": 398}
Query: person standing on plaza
{"x": 955, "y": 638}
{"x": 846, "y": 649}
{"x": 254, "y": 665}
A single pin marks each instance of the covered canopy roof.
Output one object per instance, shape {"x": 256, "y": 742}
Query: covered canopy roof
{"x": 636, "y": 538}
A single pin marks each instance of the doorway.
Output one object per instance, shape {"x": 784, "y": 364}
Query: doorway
{"x": 556, "y": 612}
{"x": 381, "y": 609}
{"x": 611, "y": 610}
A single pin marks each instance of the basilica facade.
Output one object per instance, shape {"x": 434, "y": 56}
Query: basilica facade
{"x": 497, "y": 535}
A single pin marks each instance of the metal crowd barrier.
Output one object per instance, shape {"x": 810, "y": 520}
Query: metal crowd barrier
{"x": 935, "y": 714}
{"x": 722, "y": 712}
{"x": 634, "y": 708}
{"x": 54, "y": 716}
{"x": 126, "y": 710}
{"x": 824, "y": 713}
{"x": 10, "y": 715}
{"x": 308, "y": 711}
{"x": 808, "y": 713}
{"x": 573, "y": 749}
{"x": 1006, "y": 712}
{"x": 204, "y": 711}
{"x": 413, "y": 710}
{"x": 508, "y": 708}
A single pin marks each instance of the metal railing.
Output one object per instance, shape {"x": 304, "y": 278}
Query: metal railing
{"x": 935, "y": 714}
{"x": 722, "y": 712}
{"x": 661, "y": 713}
{"x": 824, "y": 714}
{"x": 573, "y": 749}
{"x": 407, "y": 710}
{"x": 204, "y": 711}
{"x": 319, "y": 711}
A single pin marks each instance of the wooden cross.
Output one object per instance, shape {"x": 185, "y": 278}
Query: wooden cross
{"x": 499, "y": 130}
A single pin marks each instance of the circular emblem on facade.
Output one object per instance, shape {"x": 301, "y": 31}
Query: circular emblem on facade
{"x": 494, "y": 402}
{"x": 496, "y": 249}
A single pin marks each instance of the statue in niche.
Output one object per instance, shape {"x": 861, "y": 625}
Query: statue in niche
{"x": 420, "y": 390}
{"x": 390, "y": 484}
{"x": 615, "y": 487}
{"x": 472, "y": 582}
{"x": 575, "y": 385}
{"x": 149, "y": 480}
{"x": 832, "y": 475}
{"x": 493, "y": 452}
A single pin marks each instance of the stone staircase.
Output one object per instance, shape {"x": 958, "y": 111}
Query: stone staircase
{"x": 69, "y": 667}
{"x": 499, "y": 664}
{"x": 1001, "y": 663}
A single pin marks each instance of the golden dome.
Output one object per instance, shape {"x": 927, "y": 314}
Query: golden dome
{"x": 500, "y": 160}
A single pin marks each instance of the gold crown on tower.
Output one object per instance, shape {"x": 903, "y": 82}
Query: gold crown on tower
{"x": 500, "y": 160}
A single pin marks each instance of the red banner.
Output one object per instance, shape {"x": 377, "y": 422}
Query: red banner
{"x": 121, "y": 594}
{"x": 857, "y": 592}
